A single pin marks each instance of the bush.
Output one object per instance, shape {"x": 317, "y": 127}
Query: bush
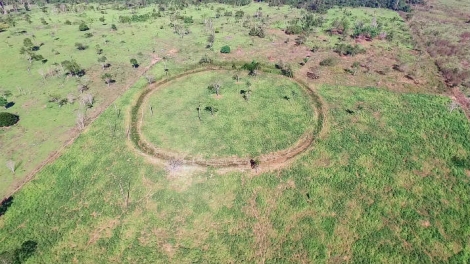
{"x": 293, "y": 29}
{"x": 328, "y": 62}
{"x": 205, "y": 59}
{"x": 256, "y": 31}
{"x": 225, "y": 49}
{"x": 113, "y": 27}
{"x": 67, "y": 22}
{"x": 8, "y": 119}
{"x": 83, "y": 27}
{"x": 348, "y": 49}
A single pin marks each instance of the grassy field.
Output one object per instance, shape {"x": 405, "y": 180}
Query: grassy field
{"x": 45, "y": 126}
{"x": 273, "y": 116}
{"x": 388, "y": 182}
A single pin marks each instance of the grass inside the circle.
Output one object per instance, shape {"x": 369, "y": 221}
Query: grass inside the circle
{"x": 251, "y": 116}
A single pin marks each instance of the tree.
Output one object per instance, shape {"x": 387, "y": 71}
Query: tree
{"x": 83, "y": 27}
{"x": 107, "y": 78}
{"x": 113, "y": 27}
{"x": 28, "y": 44}
{"x": 98, "y": 49}
{"x": 134, "y": 63}
{"x": 102, "y": 60}
{"x": 252, "y": 67}
{"x": 210, "y": 39}
{"x": 225, "y": 49}
{"x": 8, "y": 119}
{"x": 215, "y": 87}
{"x": 3, "y": 102}
{"x": 72, "y": 68}
{"x": 80, "y": 46}
{"x": 211, "y": 109}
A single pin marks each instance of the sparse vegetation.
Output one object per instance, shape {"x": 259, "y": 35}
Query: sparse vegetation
{"x": 358, "y": 159}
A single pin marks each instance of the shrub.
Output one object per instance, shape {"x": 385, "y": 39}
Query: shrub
{"x": 348, "y": 49}
{"x": 256, "y": 31}
{"x": 328, "y": 62}
{"x": 113, "y": 27}
{"x": 67, "y": 22}
{"x": 205, "y": 59}
{"x": 83, "y": 27}
{"x": 225, "y": 49}
{"x": 88, "y": 35}
{"x": 80, "y": 46}
{"x": 8, "y": 119}
{"x": 293, "y": 29}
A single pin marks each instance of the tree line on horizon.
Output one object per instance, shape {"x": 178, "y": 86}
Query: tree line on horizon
{"x": 312, "y": 5}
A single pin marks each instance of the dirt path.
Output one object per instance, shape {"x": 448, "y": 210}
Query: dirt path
{"x": 75, "y": 132}
{"x": 269, "y": 161}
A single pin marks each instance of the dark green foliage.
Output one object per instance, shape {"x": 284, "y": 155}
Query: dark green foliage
{"x": 3, "y": 101}
{"x": 188, "y": 20}
{"x": 113, "y": 27}
{"x": 102, "y": 19}
{"x": 348, "y": 49}
{"x": 8, "y": 119}
{"x": 88, "y": 35}
{"x": 329, "y": 62}
{"x": 293, "y": 29}
{"x": 251, "y": 67}
{"x": 134, "y": 63}
{"x": 73, "y": 68}
{"x": 83, "y": 27}
{"x": 80, "y": 46}
{"x": 256, "y": 31}
{"x": 239, "y": 14}
{"x": 225, "y": 49}
{"x": 67, "y": 22}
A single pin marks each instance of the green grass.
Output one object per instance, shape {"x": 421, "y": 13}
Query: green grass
{"x": 266, "y": 122}
{"x": 386, "y": 183}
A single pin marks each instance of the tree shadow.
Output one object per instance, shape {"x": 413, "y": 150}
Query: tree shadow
{"x": 6, "y": 203}
{"x": 9, "y": 104}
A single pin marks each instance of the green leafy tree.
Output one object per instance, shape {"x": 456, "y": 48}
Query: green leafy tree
{"x": 83, "y": 27}
{"x": 107, "y": 78}
{"x": 72, "y": 68}
{"x": 225, "y": 49}
{"x": 102, "y": 60}
{"x": 252, "y": 67}
{"x": 134, "y": 63}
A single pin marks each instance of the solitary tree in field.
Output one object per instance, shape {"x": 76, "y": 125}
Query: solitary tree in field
{"x": 107, "y": 78}
{"x": 134, "y": 63}
{"x": 252, "y": 67}
{"x": 102, "y": 60}
{"x": 83, "y": 27}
